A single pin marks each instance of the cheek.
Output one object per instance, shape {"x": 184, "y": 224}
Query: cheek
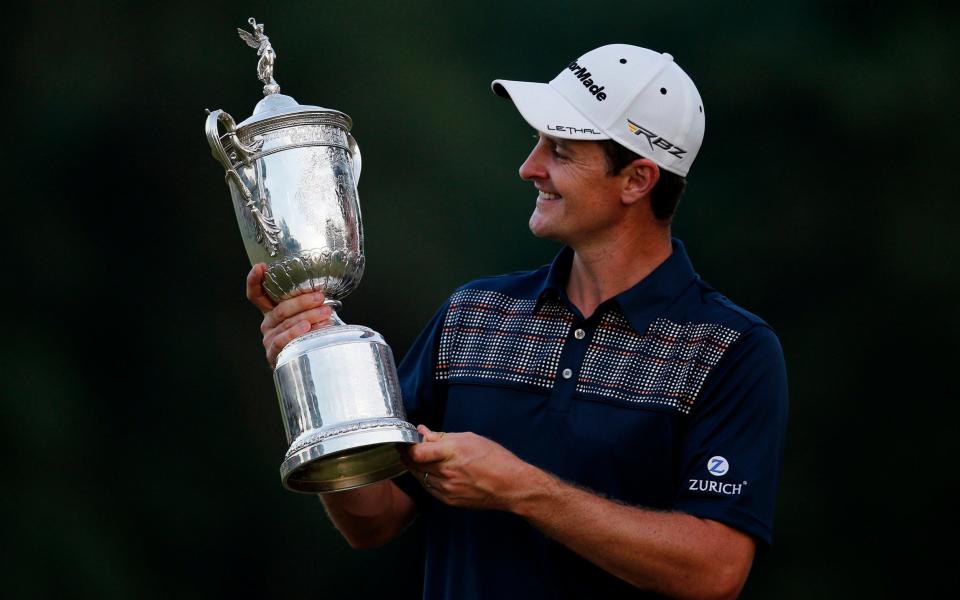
{"x": 582, "y": 179}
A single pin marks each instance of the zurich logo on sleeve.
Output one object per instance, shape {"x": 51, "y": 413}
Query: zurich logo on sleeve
{"x": 718, "y": 466}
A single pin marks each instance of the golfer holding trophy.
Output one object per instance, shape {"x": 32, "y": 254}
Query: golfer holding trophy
{"x": 292, "y": 171}
{"x": 608, "y": 426}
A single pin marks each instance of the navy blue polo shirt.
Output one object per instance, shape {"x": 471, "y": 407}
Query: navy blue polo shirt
{"x": 668, "y": 397}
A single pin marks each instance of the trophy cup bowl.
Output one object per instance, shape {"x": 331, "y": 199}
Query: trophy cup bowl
{"x": 292, "y": 171}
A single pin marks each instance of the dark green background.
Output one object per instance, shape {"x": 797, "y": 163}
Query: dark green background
{"x": 140, "y": 433}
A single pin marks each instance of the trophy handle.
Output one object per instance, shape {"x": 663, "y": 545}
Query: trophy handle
{"x": 214, "y": 138}
{"x": 267, "y": 230}
{"x": 357, "y": 160}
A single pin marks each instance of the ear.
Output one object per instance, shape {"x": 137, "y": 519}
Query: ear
{"x": 639, "y": 178}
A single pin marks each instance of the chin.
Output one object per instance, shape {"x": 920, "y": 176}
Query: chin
{"x": 543, "y": 231}
{"x": 536, "y": 226}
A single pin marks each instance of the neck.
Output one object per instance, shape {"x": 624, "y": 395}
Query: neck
{"x": 603, "y": 269}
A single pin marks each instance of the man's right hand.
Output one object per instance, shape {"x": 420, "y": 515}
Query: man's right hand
{"x": 284, "y": 321}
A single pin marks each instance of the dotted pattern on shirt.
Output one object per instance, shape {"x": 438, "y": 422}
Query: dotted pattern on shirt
{"x": 489, "y": 335}
{"x": 667, "y": 365}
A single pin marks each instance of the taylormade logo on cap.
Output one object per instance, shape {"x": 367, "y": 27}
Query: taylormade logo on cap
{"x": 584, "y": 76}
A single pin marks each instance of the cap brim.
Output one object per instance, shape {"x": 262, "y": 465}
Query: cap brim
{"x": 547, "y": 111}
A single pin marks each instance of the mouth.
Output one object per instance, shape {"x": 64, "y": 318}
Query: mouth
{"x": 548, "y": 196}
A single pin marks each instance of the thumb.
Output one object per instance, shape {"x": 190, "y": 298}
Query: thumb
{"x": 428, "y": 436}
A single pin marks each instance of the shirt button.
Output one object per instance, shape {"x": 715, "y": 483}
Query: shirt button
{"x": 579, "y": 334}
{"x": 567, "y": 373}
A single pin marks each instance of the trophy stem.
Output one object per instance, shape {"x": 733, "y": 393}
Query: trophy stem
{"x": 335, "y": 305}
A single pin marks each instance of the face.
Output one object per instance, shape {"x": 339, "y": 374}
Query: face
{"x": 577, "y": 200}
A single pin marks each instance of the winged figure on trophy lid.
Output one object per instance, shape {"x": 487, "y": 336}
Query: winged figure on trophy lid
{"x": 265, "y": 51}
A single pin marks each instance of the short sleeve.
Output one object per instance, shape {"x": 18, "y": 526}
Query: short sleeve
{"x": 424, "y": 395}
{"x": 732, "y": 447}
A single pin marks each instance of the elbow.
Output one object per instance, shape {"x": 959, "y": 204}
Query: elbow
{"x": 725, "y": 573}
{"x": 712, "y": 589}
{"x": 725, "y": 583}
{"x": 726, "y": 589}
{"x": 374, "y": 534}
{"x": 365, "y": 543}
{"x": 370, "y": 517}
{"x": 368, "y": 540}
{"x": 719, "y": 583}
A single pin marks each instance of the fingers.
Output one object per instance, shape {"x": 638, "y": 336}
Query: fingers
{"x": 319, "y": 314}
{"x": 290, "y": 308}
{"x": 423, "y": 478}
{"x": 427, "y": 454}
{"x": 431, "y": 481}
{"x": 429, "y": 436}
{"x": 431, "y": 450}
{"x": 314, "y": 318}
{"x": 276, "y": 343}
{"x": 255, "y": 292}
{"x": 275, "y": 340}
{"x": 290, "y": 319}
{"x": 284, "y": 321}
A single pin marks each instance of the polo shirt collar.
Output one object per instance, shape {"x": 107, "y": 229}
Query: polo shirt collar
{"x": 555, "y": 285}
{"x": 642, "y": 303}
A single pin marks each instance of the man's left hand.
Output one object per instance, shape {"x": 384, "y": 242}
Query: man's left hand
{"x": 469, "y": 470}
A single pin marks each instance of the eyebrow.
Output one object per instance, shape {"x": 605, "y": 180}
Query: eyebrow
{"x": 558, "y": 142}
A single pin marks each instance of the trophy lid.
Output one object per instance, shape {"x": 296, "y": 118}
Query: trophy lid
{"x": 277, "y": 105}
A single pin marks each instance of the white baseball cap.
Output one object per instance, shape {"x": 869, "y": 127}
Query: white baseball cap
{"x": 637, "y": 97}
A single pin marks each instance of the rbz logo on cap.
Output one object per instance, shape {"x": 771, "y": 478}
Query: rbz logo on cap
{"x": 655, "y": 140}
{"x": 584, "y": 76}
{"x": 718, "y": 466}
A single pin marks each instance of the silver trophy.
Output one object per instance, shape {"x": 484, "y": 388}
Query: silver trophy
{"x": 292, "y": 171}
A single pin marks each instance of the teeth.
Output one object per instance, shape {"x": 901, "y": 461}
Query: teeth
{"x": 549, "y": 196}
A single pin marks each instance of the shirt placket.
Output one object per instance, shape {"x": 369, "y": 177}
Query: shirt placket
{"x": 570, "y": 363}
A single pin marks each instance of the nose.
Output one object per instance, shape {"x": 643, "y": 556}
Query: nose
{"x": 533, "y": 167}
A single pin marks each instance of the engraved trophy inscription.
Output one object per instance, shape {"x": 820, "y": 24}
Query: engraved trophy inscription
{"x": 292, "y": 171}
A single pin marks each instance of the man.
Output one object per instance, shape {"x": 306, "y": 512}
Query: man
{"x": 602, "y": 427}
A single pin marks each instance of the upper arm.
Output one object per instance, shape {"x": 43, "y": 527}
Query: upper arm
{"x": 730, "y": 455}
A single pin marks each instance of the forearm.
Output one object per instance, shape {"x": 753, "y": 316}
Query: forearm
{"x": 370, "y": 516}
{"x": 672, "y": 553}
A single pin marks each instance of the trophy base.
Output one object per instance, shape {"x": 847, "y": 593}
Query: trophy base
{"x": 347, "y": 462}
{"x": 343, "y": 415}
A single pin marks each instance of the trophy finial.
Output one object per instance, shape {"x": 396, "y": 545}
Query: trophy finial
{"x": 265, "y": 51}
